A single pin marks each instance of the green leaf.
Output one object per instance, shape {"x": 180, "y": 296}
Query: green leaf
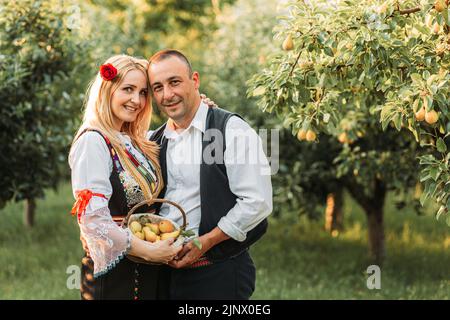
{"x": 259, "y": 91}
{"x": 417, "y": 78}
{"x": 442, "y": 209}
{"x": 441, "y": 146}
{"x": 306, "y": 125}
{"x": 447, "y": 205}
{"x": 328, "y": 51}
{"x": 445, "y": 14}
{"x": 322, "y": 80}
{"x": 197, "y": 243}
{"x": 398, "y": 121}
{"x": 295, "y": 96}
{"x": 429, "y": 103}
{"x": 188, "y": 233}
{"x": 384, "y": 124}
{"x": 423, "y": 198}
{"x": 435, "y": 172}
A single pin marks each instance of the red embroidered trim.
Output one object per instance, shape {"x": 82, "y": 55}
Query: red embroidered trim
{"x": 83, "y": 198}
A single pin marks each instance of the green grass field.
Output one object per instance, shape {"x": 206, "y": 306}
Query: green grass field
{"x": 295, "y": 260}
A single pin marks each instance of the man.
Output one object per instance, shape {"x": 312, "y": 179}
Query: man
{"x": 208, "y": 170}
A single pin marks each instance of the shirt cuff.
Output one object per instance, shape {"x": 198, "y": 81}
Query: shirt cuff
{"x": 231, "y": 230}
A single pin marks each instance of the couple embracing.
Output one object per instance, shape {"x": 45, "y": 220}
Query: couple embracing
{"x": 117, "y": 163}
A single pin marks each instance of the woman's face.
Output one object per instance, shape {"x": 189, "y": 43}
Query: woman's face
{"x": 130, "y": 98}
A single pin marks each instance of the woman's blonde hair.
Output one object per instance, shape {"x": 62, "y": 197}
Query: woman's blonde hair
{"x": 98, "y": 115}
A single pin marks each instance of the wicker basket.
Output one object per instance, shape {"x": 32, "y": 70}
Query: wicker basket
{"x": 154, "y": 219}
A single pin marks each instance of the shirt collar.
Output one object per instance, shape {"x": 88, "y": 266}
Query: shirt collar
{"x": 199, "y": 122}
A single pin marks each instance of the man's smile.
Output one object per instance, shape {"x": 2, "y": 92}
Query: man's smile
{"x": 171, "y": 105}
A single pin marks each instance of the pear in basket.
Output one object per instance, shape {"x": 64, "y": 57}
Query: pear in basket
{"x": 149, "y": 234}
{"x": 169, "y": 235}
{"x": 166, "y": 226}
{"x": 140, "y": 235}
{"x": 154, "y": 227}
{"x": 135, "y": 227}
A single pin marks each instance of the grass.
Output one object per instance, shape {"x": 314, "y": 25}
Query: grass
{"x": 296, "y": 259}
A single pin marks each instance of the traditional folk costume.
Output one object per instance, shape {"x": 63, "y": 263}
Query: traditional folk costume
{"x": 105, "y": 192}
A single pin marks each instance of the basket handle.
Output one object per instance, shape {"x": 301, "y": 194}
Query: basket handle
{"x": 150, "y": 202}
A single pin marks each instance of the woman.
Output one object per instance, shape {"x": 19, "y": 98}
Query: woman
{"x": 114, "y": 167}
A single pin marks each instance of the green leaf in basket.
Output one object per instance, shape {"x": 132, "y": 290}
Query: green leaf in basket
{"x": 144, "y": 220}
{"x": 197, "y": 243}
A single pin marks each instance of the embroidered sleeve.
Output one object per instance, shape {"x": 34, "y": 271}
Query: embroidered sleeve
{"x": 91, "y": 167}
{"x": 107, "y": 242}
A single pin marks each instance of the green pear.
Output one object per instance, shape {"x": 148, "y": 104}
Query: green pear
{"x": 135, "y": 227}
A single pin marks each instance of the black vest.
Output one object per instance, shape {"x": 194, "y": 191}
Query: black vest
{"x": 216, "y": 196}
{"x": 117, "y": 204}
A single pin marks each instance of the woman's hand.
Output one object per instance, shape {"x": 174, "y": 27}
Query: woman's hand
{"x": 163, "y": 251}
{"x": 208, "y": 101}
{"x": 159, "y": 252}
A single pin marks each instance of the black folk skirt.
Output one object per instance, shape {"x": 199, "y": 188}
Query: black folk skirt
{"x": 127, "y": 280}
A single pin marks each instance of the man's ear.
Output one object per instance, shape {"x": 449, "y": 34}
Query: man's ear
{"x": 196, "y": 79}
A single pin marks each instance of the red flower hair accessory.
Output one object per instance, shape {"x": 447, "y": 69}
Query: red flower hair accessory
{"x": 108, "y": 71}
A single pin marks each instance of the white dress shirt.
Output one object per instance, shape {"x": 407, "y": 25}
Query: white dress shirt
{"x": 246, "y": 166}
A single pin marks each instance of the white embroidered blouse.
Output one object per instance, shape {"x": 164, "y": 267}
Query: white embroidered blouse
{"x": 91, "y": 166}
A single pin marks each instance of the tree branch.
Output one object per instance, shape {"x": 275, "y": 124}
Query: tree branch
{"x": 296, "y": 61}
{"x": 408, "y": 11}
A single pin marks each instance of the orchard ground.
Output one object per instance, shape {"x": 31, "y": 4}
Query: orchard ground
{"x": 296, "y": 259}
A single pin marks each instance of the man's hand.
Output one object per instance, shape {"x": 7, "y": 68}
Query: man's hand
{"x": 208, "y": 101}
{"x": 84, "y": 244}
{"x": 191, "y": 253}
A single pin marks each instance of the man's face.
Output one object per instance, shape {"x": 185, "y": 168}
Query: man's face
{"x": 175, "y": 93}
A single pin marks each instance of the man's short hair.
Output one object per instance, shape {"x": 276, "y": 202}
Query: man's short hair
{"x": 167, "y": 53}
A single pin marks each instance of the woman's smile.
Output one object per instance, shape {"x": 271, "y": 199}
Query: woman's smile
{"x": 131, "y": 109}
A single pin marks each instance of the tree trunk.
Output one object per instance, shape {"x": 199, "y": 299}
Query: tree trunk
{"x": 30, "y": 210}
{"x": 375, "y": 228}
{"x": 373, "y": 206}
{"x": 333, "y": 213}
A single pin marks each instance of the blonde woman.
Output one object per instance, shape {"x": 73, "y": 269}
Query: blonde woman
{"x": 114, "y": 166}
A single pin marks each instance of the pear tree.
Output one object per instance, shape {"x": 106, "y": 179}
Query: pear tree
{"x": 373, "y": 75}
{"x": 240, "y": 47}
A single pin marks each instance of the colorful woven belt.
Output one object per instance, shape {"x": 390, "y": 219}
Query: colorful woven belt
{"x": 201, "y": 262}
